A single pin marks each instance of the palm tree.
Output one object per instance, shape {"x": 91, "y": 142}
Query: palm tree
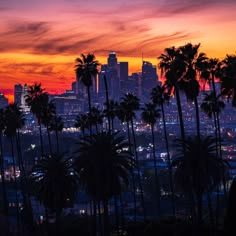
{"x": 82, "y": 122}
{"x": 129, "y": 104}
{"x": 47, "y": 114}
{"x": 14, "y": 120}
{"x": 103, "y": 165}
{"x": 95, "y": 117}
{"x": 172, "y": 67}
{"x": 37, "y": 99}
{"x": 210, "y": 105}
{"x": 110, "y": 111}
{"x": 193, "y": 61}
{"x": 86, "y": 69}
{"x": 4, "y": 189}
{"x": 107, "y": 102}
{"x": 228, "y": 77}
{"x": 56, "y": 124}
{"x": 198, "y": 168}
{"x": 54, "y": 182}
{"x": 150, "y": 115}
{"x": 160, "y": 97}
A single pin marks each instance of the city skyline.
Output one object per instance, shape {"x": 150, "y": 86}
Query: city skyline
{"x": 40, "y": 40}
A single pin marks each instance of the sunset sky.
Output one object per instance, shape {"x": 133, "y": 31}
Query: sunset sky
{"x": 39, "y": 40}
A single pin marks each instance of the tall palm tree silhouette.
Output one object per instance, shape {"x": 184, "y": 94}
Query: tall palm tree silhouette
{"x": 172, "y": 67}
{"x": 198, "y": 167}
{"x": 149, "y": 115}
{"x": 56, "y": 124}
{"x": 103, "y": 166}
{"x": 37, "y": 99}
{"x": 160, "y": 97}
{"x": 86, "y": 68}
{"x": 110, "y": 111}
{"x": 95, "y": 117}
{"x": 129, "y": 104}
{"x": 15, "y": 120}
{"x": 228, "y": 78}
{"x": 47, "y": 114}
{"x": 193, "y": 61}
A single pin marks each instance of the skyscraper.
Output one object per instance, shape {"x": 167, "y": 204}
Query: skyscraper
{"x": 123, "y": 70}
{"x": 149, "y": 79}
{"x": 18, "y": 93}
{"x": 112, "y": 76}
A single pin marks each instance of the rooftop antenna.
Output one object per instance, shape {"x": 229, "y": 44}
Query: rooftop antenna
{"x": 142, "y": 58}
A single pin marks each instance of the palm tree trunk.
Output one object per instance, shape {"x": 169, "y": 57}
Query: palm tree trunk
{"x": 107, "y": 101}
{"x": 158, "y": 192}
{"x": 197, "y": 117}
{"x": 41, "y": 139}
{"x": 106, "y": 219}
{"x": 89, "y": 99}
{"x": 117, "y": 214}
{"x": 57, "y": 138}
{"x": 180, "y": 114}
{"x": 4, "y": 189}
{"x": 94, "y": 217}
{"x": 15, "y": 185}
{"x": 100, "y": 218}
{"x": 49, "y": 140}
{"x": 26, "y": 196}
{"x": 112, "y": 125}
{"x": 169, "y": 162}
{"x": 220, "y": 152}
{"x": 132, "y": 176}
{"x": 122, "y": 212}
{"x": 210, "y": 209}
{"x": 199, "y": 206}
{"x": 138, "y": 169}
{"x": 90, "y": 108}
{"x": 217, "y": 122}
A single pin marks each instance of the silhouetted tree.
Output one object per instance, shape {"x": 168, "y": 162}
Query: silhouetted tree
{"x": 47, "y": 115}
{"x": 82, "y": 122}
{"x": 54, "y": 182}
{"x": 103, "y": 166}
{"x": 56, "y": 124}
{"x": 160, "y": 97}
{"x": 37, "y": 99}
{"x": 149, "y": 115}
{"x": 129, "y": 104}
{"x": 172, "y": 67}
{"x": 86, "y": 69}
{"x": 198, "y": 167}
{"x": 228, "y": 78}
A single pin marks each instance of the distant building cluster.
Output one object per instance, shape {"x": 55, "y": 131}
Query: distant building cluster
{"x": 119, "y": 83}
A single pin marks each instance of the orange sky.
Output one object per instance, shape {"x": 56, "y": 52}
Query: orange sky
{"x": 39, "y": 40}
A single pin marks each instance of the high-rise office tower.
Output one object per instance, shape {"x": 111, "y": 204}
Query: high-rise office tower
{"x": 149, "y": 79}
{"x": 112, "y": 76}
{"x": 123, "y": 70}
{"x": 18, "y": 93}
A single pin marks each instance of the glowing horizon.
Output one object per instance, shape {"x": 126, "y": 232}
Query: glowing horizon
{"x": 41, "y": 39}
